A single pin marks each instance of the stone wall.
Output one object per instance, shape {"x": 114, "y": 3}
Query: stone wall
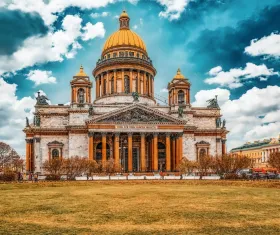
{"x": 54, "y": 121}
{"x": 189, "y": 147}
{"x": 78, "y": 145}
{"x": 78, "y": 118}
{"x": 205, "y": 122}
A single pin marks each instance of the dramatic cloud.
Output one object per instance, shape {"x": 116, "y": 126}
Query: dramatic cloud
{"x": 234, "y": 77}
{"x": 41, "y": 77}
{"x": 267, "y": 46}
{"x": 92, "y": 31}
{"x": 48, "y": 9}
{"x": 253, "y": 116}
{"x": 17, "y": 26}
{"x": 12, "y": 115}
{"x": 172, "y": 9}
{"x": 55, "y": 46}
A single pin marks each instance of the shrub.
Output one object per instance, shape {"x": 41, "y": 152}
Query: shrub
{"x": 231, "y": 176}
{"x": 8, "y": 176}
{"x": 53, "y": 177}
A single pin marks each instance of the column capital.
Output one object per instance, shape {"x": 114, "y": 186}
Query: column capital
{"x": 129, "y": 133}
{"x": 117, "y": 134}
{"x": 143, "y": 134}
{"x": 29, "y": 141}
{"x": 224, "y": 141}
{"x": 167, "y": 134}
{"x": 104, "y": 134}
{"x": 155, "y": 134}
{"x": 37, "y": 139}
{"x": 90, "y": 134}
{"x": 180, "y": 134}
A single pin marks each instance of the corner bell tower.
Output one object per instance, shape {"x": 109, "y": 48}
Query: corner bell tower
{"x": 179, "y": 90}
{"x": 81, "y": 88}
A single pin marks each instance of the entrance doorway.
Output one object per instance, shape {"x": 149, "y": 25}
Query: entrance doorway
{"x": 135, "y": 159}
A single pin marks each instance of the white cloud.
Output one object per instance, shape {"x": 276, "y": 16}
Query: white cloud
{"x": 12, "y": 115}
{"x": 267, "y": 46}
{"x": 215, "y": 71}
{"x": 202, "y": 96}
{"x": 172, "y": 8}
{"x": 253, "y": 116}
{"x": 164, "y": 90}
{"x": 49, "y": 9}
{"x": 92, "y": 31}
{"x": 41, "y": 77}
{"x": 55, "y": 46}
{"x": 234, "y": 77}
{"x": 97, "y": 15}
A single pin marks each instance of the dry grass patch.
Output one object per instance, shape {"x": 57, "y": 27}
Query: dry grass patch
{"x": 159, "y": 207}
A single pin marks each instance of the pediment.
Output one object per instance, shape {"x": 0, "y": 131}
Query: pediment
{"x": 181, "y": 82}
{"x": 137, "y": 113}
{"x": 80, "y": 79}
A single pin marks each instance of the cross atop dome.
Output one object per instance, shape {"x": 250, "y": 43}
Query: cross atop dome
{"x": 124, "y": 20}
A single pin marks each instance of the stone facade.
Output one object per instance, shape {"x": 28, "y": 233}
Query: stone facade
{"x": 124, "y": 121}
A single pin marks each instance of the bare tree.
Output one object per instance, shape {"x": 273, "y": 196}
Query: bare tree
{"x": 230, "y": 163}
{"x": 274, "y": 160}
{"x": 186, "y": 166}
{"x": 7, "y": 156}
{"x": 75, "y": 166}
{"x": 53, "y": 166}
{"x": 205, "y": 164}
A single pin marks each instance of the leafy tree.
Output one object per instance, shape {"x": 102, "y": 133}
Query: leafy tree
{"x": 274, "y": 160}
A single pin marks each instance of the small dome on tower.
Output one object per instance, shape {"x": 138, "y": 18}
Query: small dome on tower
{"x": 124, "y": 14}
{"x": 179, "y": 75}
{"x": 81, "y": 73}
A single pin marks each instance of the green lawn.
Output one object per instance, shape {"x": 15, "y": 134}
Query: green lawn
{"x": 190, "y": 207}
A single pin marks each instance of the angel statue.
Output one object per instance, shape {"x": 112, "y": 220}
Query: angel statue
{"x": 27, "y": 122}
{"x": 180, "y": 112}
{"x": 90, "y": 110}
{"x": 224, "y": 123}
{"x": 41, "y": 99}
{"x": 135, "y": 96}
{"x": 213, "y": 103}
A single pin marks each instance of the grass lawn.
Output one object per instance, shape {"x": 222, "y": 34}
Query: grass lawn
{"x": 166, "y": 207}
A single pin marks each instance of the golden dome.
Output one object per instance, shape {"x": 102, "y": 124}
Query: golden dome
{"x": 179, "y": 75}
{"x": 81, "y": 73}
{"x": 124, "y": 36}
{"x": 124, "y": 14}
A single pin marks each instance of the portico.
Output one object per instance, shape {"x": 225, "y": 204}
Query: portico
{"x": 136, "y": 151}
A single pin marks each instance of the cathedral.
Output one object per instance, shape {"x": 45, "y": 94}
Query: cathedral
{"x": 124, "y": 120}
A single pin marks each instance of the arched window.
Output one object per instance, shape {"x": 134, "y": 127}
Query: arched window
{"x": 126, "y": 84}
{"x": 112, "y": 85}
{"x": 81, "y": 95}
{"x": 181, "y": 97}
{"x": 55, "y": 154}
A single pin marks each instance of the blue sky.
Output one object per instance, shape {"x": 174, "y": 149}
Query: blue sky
{"x": 226, "y": 47}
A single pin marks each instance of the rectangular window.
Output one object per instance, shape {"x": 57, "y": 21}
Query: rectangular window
{"x": 108, "y": 56}
{"x": 115, "y": 55}
{"x": 131, "y": 54}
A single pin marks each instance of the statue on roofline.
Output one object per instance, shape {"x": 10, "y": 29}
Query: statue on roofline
{"x": 224, "y": 123}
{"x": 27, "y": 122}
{"x": 41, "y": 99}
{"x": 90, "y": 110}
{"x": 218, "y": 122}
{"x": 213, "y": 103}
{"x": 135, "y": 96}
{"x": 180, "y": 111}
